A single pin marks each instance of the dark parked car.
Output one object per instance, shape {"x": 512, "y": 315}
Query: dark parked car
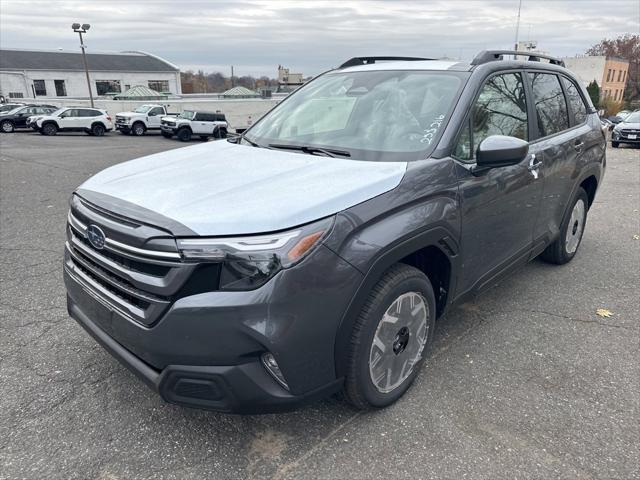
{"x": 627, "y": 131}
{"x": 314, "y": 253}
{"x": 17, "y": 118}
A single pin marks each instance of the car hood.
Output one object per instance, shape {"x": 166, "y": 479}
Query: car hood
{"x": 634, "y": 125}
{"x": 220, "y": 188}
{"x": 128, "y": 114}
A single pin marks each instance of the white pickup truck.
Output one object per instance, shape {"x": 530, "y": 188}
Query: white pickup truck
{"x": 143, "y": 118}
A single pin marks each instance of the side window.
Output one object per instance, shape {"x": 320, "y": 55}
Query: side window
{"x": 551, "y": 108}
{"x": 501, "y": 109}
{"x": 578, "y": 108}
{"x": 156, "y": 111}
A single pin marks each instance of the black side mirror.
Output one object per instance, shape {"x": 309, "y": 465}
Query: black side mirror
{"x": 501, "y": 151}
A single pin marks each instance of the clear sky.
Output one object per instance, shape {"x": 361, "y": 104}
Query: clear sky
{"x": 310, "y": 36}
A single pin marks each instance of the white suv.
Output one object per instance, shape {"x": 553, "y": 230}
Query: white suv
{"x": 200, "y": 124}
{"x": 73, "y": 119}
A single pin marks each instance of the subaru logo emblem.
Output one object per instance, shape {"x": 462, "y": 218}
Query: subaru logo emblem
{"x": 96, "y": 237}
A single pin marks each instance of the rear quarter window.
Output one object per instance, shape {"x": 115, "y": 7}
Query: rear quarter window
{"x": 578, "y": 107}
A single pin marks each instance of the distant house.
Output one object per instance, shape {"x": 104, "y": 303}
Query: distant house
{"x": 39, "y": 73}
{"x": 610, "y": 73}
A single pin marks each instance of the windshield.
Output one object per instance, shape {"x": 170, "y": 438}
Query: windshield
{"x": 13, "y": 110}
{"x": 373, "y": 115}
{"x": 142, "y": 109}
{"x": 187, "y": 114}
{"x": 632, "y": 118}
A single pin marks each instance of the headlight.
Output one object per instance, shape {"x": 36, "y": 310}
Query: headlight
{"x": 248, "y": 262}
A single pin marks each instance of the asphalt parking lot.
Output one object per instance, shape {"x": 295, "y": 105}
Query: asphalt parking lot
{"x": 524, "y": 382}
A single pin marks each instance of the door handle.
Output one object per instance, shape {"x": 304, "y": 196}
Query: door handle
{"x": 578, "y": 145}
{"x": 533, "y": 164}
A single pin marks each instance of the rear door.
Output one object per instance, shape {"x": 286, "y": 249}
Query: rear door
{"x": 559, "y": 144}
{"x": 20, "y": 119}
{"x": 499, "y": 206}
{"x": 201, "y": 124}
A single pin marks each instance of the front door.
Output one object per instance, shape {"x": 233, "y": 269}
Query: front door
{"x": 499, "y": 206}
{"x": 154, "y": 116}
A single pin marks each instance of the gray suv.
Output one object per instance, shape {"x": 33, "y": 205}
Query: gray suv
{"x": 314, "y": 253}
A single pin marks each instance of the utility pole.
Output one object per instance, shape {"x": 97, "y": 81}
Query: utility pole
{"x": 83, "y": 29}
{"x": 518, "y": 26}
{"x": 231, "y": 76}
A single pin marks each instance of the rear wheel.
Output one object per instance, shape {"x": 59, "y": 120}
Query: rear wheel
{"x": 390, "y": 338}
{"x": 615, "y": 144}
{"x": 49, "y": 129}
{"x": 138, "y": 129}
{"x": 98, "y": 130}
{"x": 184, "y": 134}
{"x": 7, "y": 126}
{"x": 566, "y": 245}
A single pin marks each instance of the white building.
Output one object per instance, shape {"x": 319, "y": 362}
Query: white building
{"x": 39, "y": 73}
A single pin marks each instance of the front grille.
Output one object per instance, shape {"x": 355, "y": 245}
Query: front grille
{"x": 120, "y": 119}
{"x": 167, "y": 123}
{"x": 630, "y": 131}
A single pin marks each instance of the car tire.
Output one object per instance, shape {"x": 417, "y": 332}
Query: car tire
{"x": 97, "y": 130}
{"x": 7, "y": 126}
{"x": 565, "y": 247}
{"x": 138, "y": 129}
{"x": 49, "y": 129}
{"x": 376, "y": 341}
{"x": 615, "y": 144}
{"x": 184, "y": 135}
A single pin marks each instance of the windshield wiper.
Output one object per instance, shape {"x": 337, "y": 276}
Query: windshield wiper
{"x": 329, "y": 152}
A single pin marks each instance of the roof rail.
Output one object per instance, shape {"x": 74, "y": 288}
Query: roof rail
{"x": 486, "y": 56}
{"x": 355, "y": 61}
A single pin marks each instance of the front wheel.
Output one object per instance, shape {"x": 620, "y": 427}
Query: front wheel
{"x": 390, "y": 338}
{"x": 566, "y": 245}
{"x": 49, "y": 129}
{"x": 184, "y": 135}
{"x": 7, "y": 126}
{"x": 138, "y": 129}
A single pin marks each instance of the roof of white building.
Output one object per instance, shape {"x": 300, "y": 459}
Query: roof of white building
{"x": 17, "y": 59}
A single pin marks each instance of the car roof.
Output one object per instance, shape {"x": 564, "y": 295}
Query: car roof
{"x": 449, "y": 65}
{"x": 411, "y": 65}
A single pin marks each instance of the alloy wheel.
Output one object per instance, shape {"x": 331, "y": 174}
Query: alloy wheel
{"x": 399, "y": 341}
{"x": 575, "y": 227}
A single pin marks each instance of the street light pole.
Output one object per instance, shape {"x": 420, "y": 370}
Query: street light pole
{"x": 83, "y": 29}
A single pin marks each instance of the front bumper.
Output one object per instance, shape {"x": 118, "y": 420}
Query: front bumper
{"x": 205, "y": 350}
{"x": 621, "y": 138}
{"x": 168, "y": 129}
{"x": 244, "y": 388}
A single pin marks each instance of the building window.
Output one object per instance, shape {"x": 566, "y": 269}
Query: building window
{"x": 609, "y": 75}
{"x": 159, "y": 85}
{"x": 107, "y": 86}
{"x": 40, "y": 88}
{"x": 619, "y": 74}
{"x": 16, "y": 95}
{"x": 61, "y": 89}
{"x": 624, "y": 76}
